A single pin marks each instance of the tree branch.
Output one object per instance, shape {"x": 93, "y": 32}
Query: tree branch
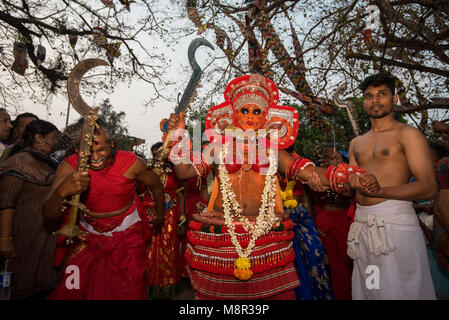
{"x": 422, "y": 68}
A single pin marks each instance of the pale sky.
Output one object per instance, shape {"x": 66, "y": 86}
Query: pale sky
{"x": 141, "y": 122}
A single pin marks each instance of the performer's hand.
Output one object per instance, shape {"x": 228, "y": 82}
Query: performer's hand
{"x": 176, "y": 121}
{"x": 355, "y": 183}
{"x": 75, "y": 183}
{"x": 365, "y": 183}
{"x": 7, "y": 249}
{"x": 369, "y": 183}
{"x": 314, "y": 182}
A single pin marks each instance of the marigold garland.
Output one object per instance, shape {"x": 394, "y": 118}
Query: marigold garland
{"x": 242, "y": 263}
{"x": 287, "y": 195}
{"x": 265, "y": 219}
{"x": 243, "y": 274}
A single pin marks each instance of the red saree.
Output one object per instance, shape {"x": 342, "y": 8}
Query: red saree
{"x": 108, "y": 261}
{"x": 163, "y": 251}
{"x": 335, "y": 226}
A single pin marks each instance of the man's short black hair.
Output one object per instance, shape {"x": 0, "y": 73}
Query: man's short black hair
{"x": 379, "y": 79}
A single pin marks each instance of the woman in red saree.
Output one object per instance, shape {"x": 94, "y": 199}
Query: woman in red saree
{"x": 164, "y": 270}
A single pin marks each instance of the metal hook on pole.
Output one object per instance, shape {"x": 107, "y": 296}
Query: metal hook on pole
{"x": 89, "y": 114}
{"x": 347, "y": 105}
{"x": 191, "y": 86}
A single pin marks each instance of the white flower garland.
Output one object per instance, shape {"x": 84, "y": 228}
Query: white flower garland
{"x": 266, "y": 217}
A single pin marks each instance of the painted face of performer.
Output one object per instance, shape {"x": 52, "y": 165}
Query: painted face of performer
{"x": 379, "y": 101}
{"x": 250, "y": 116}
{"x": 101, "y": 150}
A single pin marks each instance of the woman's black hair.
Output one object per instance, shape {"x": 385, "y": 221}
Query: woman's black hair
{"x": 41, "y": 127}
{"x": 28, "y": 138}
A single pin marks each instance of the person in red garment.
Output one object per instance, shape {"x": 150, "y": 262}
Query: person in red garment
{"x": 196, "y": 197}
{"x": 332, "y": 220}
{"x": 165, "y": 263}
{"x": 107, "y": 261}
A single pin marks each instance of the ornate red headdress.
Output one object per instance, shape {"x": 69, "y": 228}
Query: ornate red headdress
{"x": 261, "y": 91}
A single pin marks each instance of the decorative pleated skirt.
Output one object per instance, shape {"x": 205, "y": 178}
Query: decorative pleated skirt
{"x": 211, "y": 256}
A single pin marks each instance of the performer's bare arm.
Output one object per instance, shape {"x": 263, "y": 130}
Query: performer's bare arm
{"x": 185, "y": 171}
{"x": 67, "y": 182}
{"x": 319, "y": 182}
{"x": 417, "y": 153}
{"x": 285, "y": 160}
{"x": 182, "y": 170}
{"x": 140, "y": 171}
{"x": 361, "y": 182}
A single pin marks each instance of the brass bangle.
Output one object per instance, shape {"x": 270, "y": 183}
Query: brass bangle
{"x": 6, "y": 238}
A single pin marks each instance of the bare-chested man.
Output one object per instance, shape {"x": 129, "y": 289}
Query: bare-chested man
{"x": 385, "y": 240}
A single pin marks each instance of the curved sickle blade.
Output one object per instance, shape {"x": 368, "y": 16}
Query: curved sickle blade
{"x": 348, "y": 106}
{"x": 195, "y": 78}
{"x": 73, "y": 84}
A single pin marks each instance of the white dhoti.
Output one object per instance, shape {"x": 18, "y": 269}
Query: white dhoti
{"x": 389, "y": 252}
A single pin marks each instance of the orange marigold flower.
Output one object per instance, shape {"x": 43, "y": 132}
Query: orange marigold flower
{"x": 243, "y": 274}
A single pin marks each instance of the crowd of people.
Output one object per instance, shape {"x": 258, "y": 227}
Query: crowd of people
{"x": 370, "y": 223}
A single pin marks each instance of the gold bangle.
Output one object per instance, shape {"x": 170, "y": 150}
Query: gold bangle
{"x": 6, "y": 238}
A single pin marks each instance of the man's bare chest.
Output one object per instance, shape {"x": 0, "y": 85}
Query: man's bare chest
{"x": 377, "y": 149}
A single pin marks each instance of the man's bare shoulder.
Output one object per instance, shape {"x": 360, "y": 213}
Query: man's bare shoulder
{"x": 360, "y": 138}
{"x": 408, "y": 132}
{"x": 407, "y": 129}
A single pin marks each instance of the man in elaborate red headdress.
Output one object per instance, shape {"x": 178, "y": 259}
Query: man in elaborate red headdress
{"x": 240, "y": 247}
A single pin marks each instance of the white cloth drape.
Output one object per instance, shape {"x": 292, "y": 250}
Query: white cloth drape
{"x": 387, "y": 237}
